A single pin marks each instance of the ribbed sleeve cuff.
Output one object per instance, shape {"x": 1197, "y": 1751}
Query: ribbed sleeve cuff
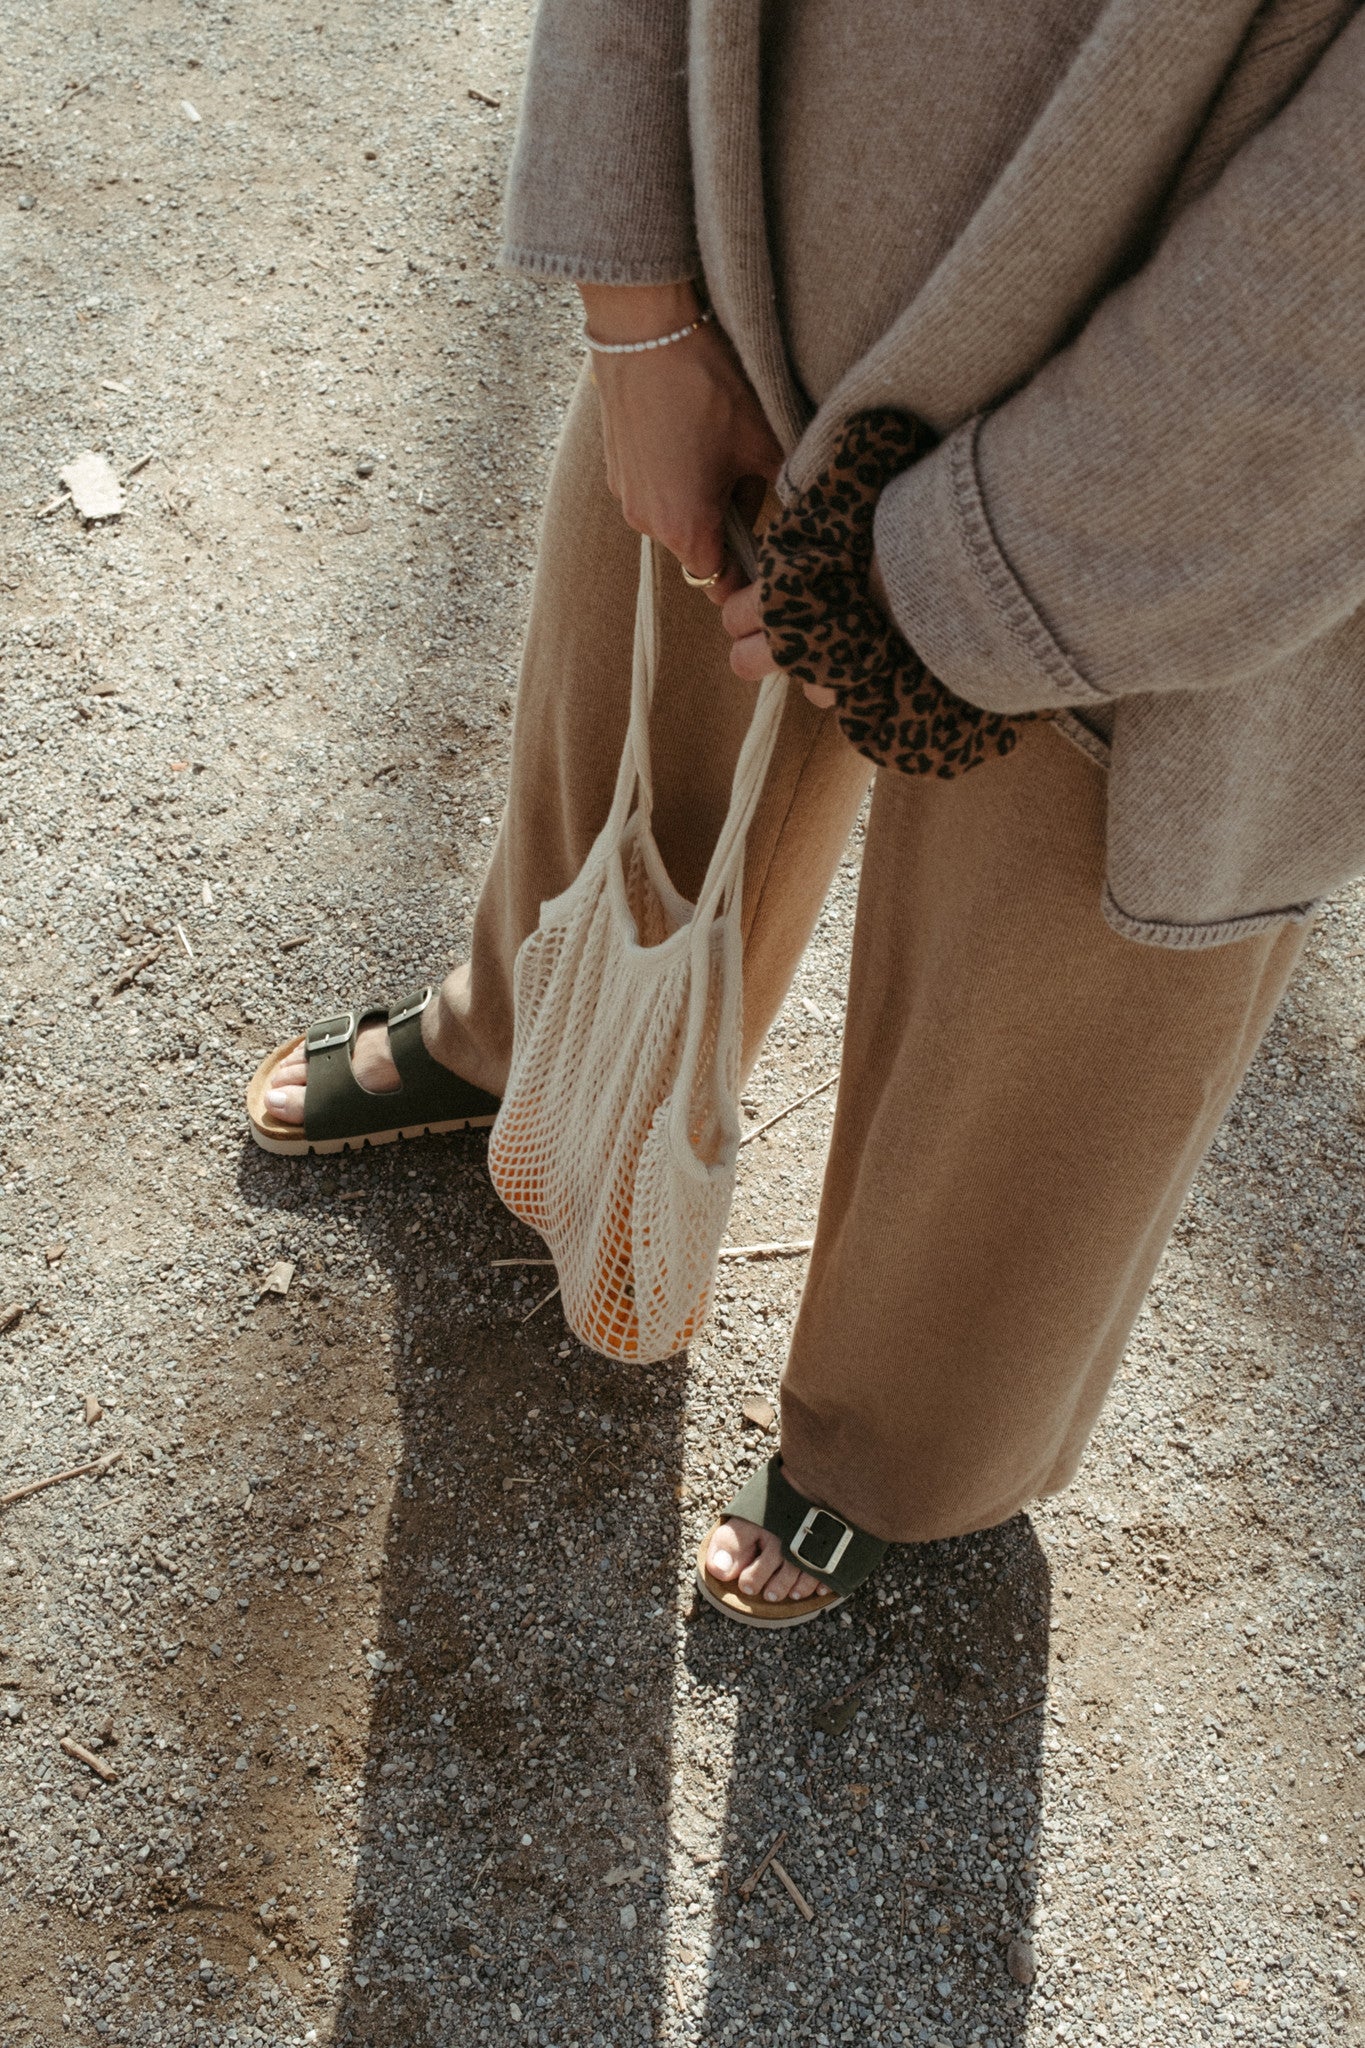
{"x": 554, "y": 263}
{"x": 956, "y": 598}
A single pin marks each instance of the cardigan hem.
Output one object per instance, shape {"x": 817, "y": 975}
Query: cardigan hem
{"x": 1189, "y": 938}
{"x": 557, "y": 264}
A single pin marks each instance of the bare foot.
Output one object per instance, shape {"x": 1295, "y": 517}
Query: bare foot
{"x": 370, "y": 1062}
{"x": 751, "y": 1558}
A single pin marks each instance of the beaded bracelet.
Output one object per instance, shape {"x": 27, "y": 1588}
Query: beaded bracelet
{"x": 638, "y": 348}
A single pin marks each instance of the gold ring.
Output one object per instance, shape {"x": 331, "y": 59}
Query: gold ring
{"x": 701, "y": 582}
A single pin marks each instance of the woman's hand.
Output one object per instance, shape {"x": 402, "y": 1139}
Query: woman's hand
{"x": 752, "y": 658}
{"x": 682, "y": 425}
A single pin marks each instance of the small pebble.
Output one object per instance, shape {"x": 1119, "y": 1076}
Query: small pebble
{"x": 1021, "y": 1960}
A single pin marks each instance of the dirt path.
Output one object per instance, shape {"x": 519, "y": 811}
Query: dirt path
{"x": 382, "y": 1624}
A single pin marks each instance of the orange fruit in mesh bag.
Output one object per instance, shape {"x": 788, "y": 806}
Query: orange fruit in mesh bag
{"x": 599, "y": 1295}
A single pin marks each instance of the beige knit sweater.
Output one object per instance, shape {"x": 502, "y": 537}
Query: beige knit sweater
{"x": 1137, "y": 317}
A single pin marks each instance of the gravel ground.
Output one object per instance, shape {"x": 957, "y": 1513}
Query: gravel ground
{"x": 383, "y": 1624}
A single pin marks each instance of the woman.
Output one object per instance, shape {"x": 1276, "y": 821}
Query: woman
{"x": 1047, "y": 317}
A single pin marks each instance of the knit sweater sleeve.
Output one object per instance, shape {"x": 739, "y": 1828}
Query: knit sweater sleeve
{"x": 601, "y": 184}
{"x": 1175, "y": 500}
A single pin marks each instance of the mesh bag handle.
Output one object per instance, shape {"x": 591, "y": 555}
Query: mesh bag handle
{"x": 634, "y": 777}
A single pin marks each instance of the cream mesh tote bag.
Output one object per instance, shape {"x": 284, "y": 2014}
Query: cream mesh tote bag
{"x": 619, "y": 1128}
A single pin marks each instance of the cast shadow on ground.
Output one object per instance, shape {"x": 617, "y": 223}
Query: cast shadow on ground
{"x": 911, "y": 1734}
{"x": 526, "y": 1793}
{"x": 518, "y": 1743}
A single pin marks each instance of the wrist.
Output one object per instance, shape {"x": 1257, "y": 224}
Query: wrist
{"x": 638, "y": 312}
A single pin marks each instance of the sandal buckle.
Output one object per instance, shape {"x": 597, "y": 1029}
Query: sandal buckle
{"x": 332, "y": 1031}
{"x": 824, "y": 1564}
{"x": 412, "y": 1009}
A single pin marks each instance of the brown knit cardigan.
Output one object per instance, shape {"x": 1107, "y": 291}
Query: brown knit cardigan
{"x": 1145, "y": 353}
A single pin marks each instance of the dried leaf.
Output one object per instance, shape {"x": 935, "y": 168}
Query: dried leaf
{"x": 625, "y": 1873}
{"x": 54, "y": 1254}
{"x": 278, "y": 1278}
{"x": 93, "y": 1411}
{"x": 11, "y": 1315}
{"x": 758, "y": 1411}
{"x": 833, "y": 1720}
{"x": 95, "y": 490}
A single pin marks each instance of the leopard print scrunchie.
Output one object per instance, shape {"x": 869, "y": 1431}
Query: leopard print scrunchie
{"x": 824, "y": 625}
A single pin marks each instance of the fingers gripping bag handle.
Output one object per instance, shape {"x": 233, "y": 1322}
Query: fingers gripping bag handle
{"x": 619, "y": 1126}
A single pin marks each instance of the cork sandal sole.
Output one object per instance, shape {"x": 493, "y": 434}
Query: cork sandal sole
{"x": 288, "y": 1140}
{"x": 753, "y": 1611}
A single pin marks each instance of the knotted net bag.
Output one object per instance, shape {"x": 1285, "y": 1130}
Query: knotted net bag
{"x": 619, "y": 1128}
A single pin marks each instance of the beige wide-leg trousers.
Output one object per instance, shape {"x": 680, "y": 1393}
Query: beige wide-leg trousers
{"x": 1024, "y": 1098}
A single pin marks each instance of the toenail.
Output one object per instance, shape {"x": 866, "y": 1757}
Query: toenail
{"x": 276, "y": 1098}
{"x": 769, "y": 1593}
{"x": 723, "y": 1561}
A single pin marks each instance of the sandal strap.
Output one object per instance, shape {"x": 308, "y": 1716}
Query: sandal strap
{"x": 813, "y": 1538}
{"x": 334, "y": 1103}
{"x": 433, "y": 1092}
{"x": 336, "y": 1106}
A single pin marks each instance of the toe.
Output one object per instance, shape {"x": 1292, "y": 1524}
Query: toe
{"x": 754, "y": 1579}
{"x": 285, "y": 1104}
{"x": 731, "y": 1548}
{"x": 783, "y": 1583}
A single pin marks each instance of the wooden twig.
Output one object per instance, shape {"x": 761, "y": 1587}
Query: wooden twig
{"x": 96, "y": 1469}
{"x": 799, "y": 1103}
{"x": 11, "y": 1315}
{"x": 88, "y": 1757}
{"x": 786, "y": 1249}
{"x": 130, "y": 974}
{"x": 542, "y": 1303}
{"x": 783, "y": 1248}
{"x": 1350, "y": 1221}
{"x": 858, "y": 1683}
{"x": 140, "y": 464}
{"x": 746, "y": 1890}
{"x": 189, "y": 950}
{"x": 292, "y": 945}
{"x": 1027, "y": 1708}
{"x": 798, "y": 1898}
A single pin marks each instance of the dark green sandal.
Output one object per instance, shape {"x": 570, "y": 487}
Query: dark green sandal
{"x": 339, "y": 1115}
{"x": 814, "y": 1539}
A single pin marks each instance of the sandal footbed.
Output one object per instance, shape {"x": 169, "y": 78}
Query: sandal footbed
{"x": 752, "y": 1610}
